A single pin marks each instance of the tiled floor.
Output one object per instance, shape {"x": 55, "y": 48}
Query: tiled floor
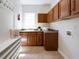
{"x": 34, "y": 52}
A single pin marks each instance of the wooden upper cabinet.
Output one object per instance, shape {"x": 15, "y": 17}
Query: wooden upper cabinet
{"x": 74, "y": 7}
{"x": 56, "y": 12}
{"x": 64, "y": 8}
{"x": 50, "y": 15}
{"x": 42, "y": 18}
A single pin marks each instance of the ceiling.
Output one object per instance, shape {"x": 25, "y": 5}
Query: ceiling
{"x": 38, "y": 6}
{"x": 36, "y": 2}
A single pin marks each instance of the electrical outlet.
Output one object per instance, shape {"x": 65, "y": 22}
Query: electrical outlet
{"x": 69, "y": 33}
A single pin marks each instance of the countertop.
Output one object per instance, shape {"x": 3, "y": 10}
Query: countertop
{"x": 30, "y": 31}
{"x": 45, "y": 31}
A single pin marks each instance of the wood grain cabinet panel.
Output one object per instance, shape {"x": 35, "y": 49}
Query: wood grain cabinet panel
{"x": 64, "y": 8}
{"x": 31, "y": 38}
{"x": 51, "y": 41}
{"x": 74, "y": 7}
{"x": 56, "y": 12}
{"x": 42, "y": 18}
{"x": 39, "y": 38}
{"x": 45, "y": 18}
{"x": 50, "y": 16}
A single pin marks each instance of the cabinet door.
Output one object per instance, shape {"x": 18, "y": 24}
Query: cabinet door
{"x": 56, "y": 12}
{"x": 75, "y": 7}
{"x": 39, "y": 38}
{"x": 42, "y": 18}
{"x": 45, "y": 18}
{"x": 51, "y": 41}
{"x": 31, "y": 38}
{"x": 50, "y": 16}
{"x": 64, "y": 8}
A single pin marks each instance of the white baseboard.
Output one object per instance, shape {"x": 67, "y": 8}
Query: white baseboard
{"x": 65, "y": 57}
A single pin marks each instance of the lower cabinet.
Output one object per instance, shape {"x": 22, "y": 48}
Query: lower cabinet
{"x": 39, "y": 38}
{"x": 32, "y": 38}
{"x": 51, "y": 41}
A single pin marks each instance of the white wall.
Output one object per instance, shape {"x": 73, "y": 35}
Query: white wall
{"x": 18, "y": 23}
{"x": 43, "y": 25}
{"x": 6, "y": 22}
{"x": 8, "y": 19}
{"x": 36, "y": 2}
{"x": 68, "y": 45}
{"x": 36, "y": 8}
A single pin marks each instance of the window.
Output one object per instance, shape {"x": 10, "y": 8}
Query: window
{"x": 29, "y": 21}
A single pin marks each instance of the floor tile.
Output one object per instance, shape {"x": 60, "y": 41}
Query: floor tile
{"x": 37, "y": 52}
